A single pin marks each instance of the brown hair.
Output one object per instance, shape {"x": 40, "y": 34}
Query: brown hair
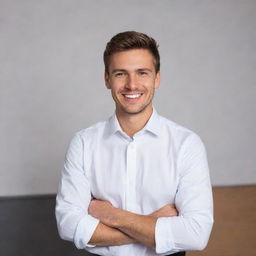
{"x": 131, "y": 40}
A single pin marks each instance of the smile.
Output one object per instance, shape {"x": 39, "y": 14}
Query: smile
{"x": 132, "y": 96}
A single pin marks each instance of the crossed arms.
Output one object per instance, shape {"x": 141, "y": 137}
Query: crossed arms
{"x": 95, "y": 222}
{"x": 118, "y": 227}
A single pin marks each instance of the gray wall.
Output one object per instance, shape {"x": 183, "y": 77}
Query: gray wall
{"x": 51, "y": 80}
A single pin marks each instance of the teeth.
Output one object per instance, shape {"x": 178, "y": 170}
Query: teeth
{"x": 132, "y": 96}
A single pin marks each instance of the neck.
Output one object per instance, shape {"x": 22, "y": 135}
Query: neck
{"x": 132, "y": 123}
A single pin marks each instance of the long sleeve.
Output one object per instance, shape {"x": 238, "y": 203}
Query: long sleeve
{"x": 73, "y": 221}
{"x": 191, "y": 229}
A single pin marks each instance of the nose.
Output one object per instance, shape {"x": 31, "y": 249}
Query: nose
{"x": 131, "y": 82}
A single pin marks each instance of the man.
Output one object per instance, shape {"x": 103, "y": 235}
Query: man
{"x": 136, "y": 184}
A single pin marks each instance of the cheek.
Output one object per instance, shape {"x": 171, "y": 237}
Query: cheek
{"x": 149, "y": 85}
{"x": 117, "y": 85}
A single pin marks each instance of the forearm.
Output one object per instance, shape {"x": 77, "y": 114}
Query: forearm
{"x": 108, "y": 236}
{"x": 140, "y": 228}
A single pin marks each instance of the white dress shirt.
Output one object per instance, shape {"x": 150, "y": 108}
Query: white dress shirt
{"x": 164, "y": 163}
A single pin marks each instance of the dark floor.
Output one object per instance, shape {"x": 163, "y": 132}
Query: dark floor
{"x": 28, "y": 228}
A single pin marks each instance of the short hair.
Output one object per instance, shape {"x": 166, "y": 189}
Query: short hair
{"x": 131, "y": 40}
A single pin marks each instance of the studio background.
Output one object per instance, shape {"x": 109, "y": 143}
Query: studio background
{"x": 51, "y": 72}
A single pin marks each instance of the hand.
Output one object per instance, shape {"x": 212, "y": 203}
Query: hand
{"x": 104, "y": 211}
{"x": 168, "y": 210}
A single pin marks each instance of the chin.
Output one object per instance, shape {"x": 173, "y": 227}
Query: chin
{"x": 133, "y": 111}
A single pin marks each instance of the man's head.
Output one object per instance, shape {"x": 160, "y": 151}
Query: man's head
{"x": 131, "y": 40}
{"x": 132, "y": 72}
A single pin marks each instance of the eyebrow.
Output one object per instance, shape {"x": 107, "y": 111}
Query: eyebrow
{"x": 145, "y": 69}
{"x": 118, "y": 70}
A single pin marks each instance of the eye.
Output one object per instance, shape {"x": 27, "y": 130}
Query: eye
{"x": 143, "y": 73}
{"x": 119, "y": 74}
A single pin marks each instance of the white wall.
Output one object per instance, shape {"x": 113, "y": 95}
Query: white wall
{"x": 51, "y": 80}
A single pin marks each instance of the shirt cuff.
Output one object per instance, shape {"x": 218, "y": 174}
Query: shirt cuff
{"x": 163, "y": 235}
{"x": 84, "y": 231}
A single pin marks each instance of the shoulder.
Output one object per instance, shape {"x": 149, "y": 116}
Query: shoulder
{"x": 91, "y": 132}
{"x": 93, "y": 129}
{"x": 179, "y": 134}
{"x": 175, "y": 128}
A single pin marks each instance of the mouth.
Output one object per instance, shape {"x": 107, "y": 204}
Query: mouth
{"x": 132, "y": 96}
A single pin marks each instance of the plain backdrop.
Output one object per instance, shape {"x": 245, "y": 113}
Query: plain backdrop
{"x": 51, "y": 80}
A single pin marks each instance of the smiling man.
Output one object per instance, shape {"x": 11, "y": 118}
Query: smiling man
{"x": 136, "y": 184}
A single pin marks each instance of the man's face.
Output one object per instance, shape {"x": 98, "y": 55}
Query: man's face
{"x": 132, "y": 79}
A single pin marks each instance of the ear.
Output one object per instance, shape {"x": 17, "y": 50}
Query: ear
{"x": 157, "y": 80}
{"x": 106, "y": 77}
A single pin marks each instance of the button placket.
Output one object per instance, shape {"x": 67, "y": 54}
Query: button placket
{"x": 131, "y": 177}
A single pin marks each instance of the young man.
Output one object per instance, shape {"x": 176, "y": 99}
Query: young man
{"x": 136, "y": 184}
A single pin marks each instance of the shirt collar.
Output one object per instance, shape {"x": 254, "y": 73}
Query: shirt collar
{"x": 153, "y": 124}
{"x": 113, "y": 125}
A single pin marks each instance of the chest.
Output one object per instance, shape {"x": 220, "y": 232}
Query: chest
{"x": 137, "y": 175}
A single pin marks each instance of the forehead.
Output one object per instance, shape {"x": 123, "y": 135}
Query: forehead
{"x": 130, "y": 59}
